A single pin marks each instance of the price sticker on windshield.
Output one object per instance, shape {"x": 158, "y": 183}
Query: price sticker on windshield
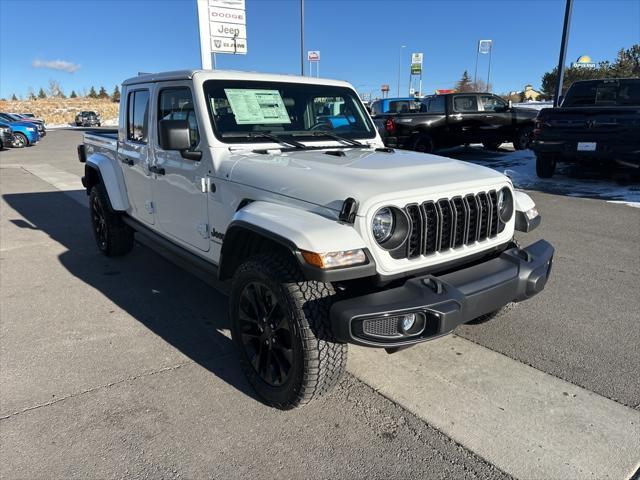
{"x": 253, "y": 106}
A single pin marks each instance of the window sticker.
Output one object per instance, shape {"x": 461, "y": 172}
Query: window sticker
{"x": 253, "y": 106}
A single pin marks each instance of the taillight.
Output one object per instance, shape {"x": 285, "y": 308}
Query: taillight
{"x": 537, "y": 127}
{"x": 390, "y": 125}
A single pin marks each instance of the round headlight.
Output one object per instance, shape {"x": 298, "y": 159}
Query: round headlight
{"x": 505, "y": 204}
{"x": 390, "y": 227}
{"x": 382, "y": 225}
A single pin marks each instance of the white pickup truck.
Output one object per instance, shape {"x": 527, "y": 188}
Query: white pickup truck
{"x": 325, "y": 236}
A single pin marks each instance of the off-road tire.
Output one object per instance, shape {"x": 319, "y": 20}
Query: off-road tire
{"x": 318, "y": 360}
{"x": 545, "y": 165}
{"x": 493, "y": 146}
{"x": 117, "y": 239}
{"x": 523, "y": 138}
{"x": 422, "y": 143}
{"x": 20, "y": 140}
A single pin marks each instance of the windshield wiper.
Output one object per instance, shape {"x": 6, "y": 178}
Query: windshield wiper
{"x": 275, "y": 138}
{"x": 350, "y": 141}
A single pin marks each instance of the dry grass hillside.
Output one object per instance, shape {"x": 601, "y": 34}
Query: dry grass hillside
{"x": 58, "y": 111}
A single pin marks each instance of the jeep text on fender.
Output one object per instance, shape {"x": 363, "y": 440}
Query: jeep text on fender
{"x": 282, "y": 187}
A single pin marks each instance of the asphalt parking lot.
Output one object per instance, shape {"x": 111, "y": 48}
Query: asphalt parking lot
{"x": 124, "y": 368}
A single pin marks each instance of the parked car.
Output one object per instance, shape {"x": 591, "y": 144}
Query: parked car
{"x": 25, "y": 134}
{"x": 325, "y": 239}
{"x": 88, "y": 119}
{"x": 458, "y": 119}
{"x": 396, "y": 105}
{"x": 6, "y": 135}
{"x": 12, "y": 117}
{"x": 30, "y": 117}
{"x": 598, "y": 121}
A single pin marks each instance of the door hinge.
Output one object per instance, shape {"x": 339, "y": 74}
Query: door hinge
{"x": 148, "y": 205}
{"x": 207, "y": 185}
{"x": 203, "y": 230}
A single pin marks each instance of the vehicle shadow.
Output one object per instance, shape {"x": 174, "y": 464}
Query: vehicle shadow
{"x": 174, "y": 304}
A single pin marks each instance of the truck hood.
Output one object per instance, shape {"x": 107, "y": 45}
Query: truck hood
{"x": 318, "y": 177}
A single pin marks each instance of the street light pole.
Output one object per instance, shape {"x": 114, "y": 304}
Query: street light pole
{"x": 302, "y": 37}
{"x": 563, "y": 52}
{"x": 399, "y": 65}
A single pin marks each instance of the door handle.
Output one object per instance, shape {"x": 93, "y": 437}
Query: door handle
{"x": 128, "y": 161}
{"x": 156, "y": 170}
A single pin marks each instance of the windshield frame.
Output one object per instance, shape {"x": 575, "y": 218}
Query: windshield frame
{"x": 299, "y": 135}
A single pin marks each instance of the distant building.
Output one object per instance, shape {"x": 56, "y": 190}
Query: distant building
{"x": 528, "y": 93}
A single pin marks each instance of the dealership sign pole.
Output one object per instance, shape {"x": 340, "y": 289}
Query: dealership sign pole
{"x": 313, "y": 56}
{"x": 563, "y": 52}
{"x": 416, "y": 69}
{"x": 223, "y": 28}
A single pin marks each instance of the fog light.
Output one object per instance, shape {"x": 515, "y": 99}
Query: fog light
{"x": 407, "y": 321}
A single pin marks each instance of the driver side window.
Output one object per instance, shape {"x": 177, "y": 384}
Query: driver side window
{"x": 177, "y": 104}
{"x": 492, "y": 103}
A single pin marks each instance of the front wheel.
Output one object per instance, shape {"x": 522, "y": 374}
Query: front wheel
{"x": 113, "y": 237}
{"x": 280, "y": 325}
{"x": 545, "y": 165}
{"x": 523, "y": 139}
{"x": 20, "y": 140}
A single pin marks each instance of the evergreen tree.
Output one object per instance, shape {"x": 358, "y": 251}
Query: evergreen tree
{"x": 73, "y": 94}
{"x": 103, "y": 93}
{"x": 115, "y": 96}
{"x": 13, "y": 97}
{"x": 626, "y": 64}
{"x": 464, "y": 84}
{"x": 92, "y": 93}
{"x": 41, "y": 93}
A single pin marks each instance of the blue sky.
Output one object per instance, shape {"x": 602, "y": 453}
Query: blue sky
{"x": 107, "y": 41}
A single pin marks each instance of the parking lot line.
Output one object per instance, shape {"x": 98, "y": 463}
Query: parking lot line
{"x": 527, "y": 423}
{"x": 524, "y": 421}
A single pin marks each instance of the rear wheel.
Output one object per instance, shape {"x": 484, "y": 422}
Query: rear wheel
{"x": 493, "y": 146}
{"x": 20, "y": 140}
{"x": 280, "y": 324}
{"x": 545, "y": 165}
{"x": 113, "y": 237}
{"x": 423, "y": 143}
{"x": 523, "y": 138}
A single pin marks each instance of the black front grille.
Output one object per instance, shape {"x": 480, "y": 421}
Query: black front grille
{"x": 452, "y": 223}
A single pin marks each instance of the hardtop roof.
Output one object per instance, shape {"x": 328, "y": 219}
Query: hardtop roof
{"x": 230, "y": 75}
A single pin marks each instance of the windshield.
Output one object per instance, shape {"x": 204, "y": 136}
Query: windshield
{"x": 603, "y": 93}
{"x": 405, "y": 106}
{"x": 243, "y": 110}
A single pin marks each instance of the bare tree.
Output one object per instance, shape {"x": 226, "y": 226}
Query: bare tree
{"x": 55, "y": 90}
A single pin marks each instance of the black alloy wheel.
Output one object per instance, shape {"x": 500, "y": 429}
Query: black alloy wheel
{"x": 265, "y": 333}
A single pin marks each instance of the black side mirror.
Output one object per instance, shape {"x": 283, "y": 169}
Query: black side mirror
{"x": 174, "y": 135}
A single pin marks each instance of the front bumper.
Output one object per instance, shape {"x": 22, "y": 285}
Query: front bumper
{"x": 445, "y": 301}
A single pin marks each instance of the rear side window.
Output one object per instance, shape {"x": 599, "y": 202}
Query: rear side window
{"x": 177, "y": 104}
{"x": 434, "y": 104}
{"x": 465, "y": 103}
{"x": 138, "y": 116}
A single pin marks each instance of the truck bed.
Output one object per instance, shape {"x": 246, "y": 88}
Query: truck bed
{"x": 102, "y": 138}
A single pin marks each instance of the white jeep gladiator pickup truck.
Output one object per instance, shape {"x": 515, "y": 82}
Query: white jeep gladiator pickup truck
{"x": 282, "y": 187}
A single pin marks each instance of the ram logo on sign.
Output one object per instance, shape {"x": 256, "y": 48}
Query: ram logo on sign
{"x": 313, "y": 55}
